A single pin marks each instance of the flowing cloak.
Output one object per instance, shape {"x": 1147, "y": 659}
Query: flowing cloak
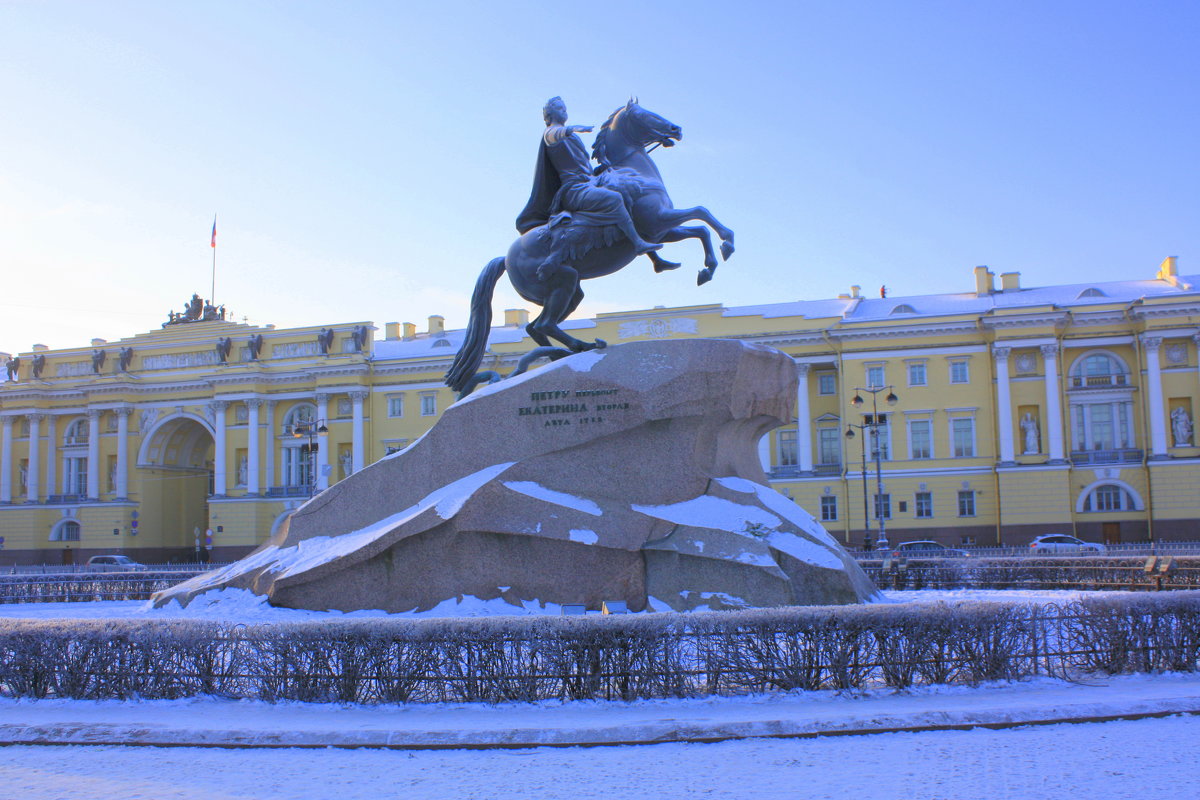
{"x": 579, "y": 194}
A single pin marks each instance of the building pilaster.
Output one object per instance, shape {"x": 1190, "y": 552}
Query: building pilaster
{"x": 1054, "y": 425}
{"x": 1154, "y": 398}
{"x": 1004, "y": 416}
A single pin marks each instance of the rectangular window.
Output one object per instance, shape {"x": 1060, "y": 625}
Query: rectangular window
{"x": 787, "y": 449}
{"x": 884, "y": 502}
{"x": 76, "y": 476}
{"x": 916, "y": 374}
{"x": 876, "y": 377}
{"x": 960, "y": 372}
{"x": 297, "y": 466}
{"x": 880, "y": 436}
{"x": 966, "y": 503}
{"x": 829, "y": 510}
{"x": 920, "y": 439}
{"x": 924, "y": 503}
{"x": 826, "y": 383}
{"x": 395, "y": 405}
{"x": 428, "y": 404}
{"x": 962, "y": 434}
{"x": 394, "y": 446}
{"x": 829, "y": 446}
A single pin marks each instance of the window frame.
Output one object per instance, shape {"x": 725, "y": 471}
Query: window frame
{"x": 966, "y": 503}
{"x": 829, "y": 508}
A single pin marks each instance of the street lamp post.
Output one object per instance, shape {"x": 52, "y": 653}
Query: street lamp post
{"x": 312, "y": 429}
{"x": 868, "y": 544}
{"x": 873, "y": 425}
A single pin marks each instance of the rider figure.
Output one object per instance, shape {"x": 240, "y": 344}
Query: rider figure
{"x": 565, "y": 182}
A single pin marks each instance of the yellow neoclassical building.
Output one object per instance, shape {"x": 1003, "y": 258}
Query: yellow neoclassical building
{"x": 1017, "y": 412}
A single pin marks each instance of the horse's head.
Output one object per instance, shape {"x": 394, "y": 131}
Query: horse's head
{"x": 636, "y": 128}
{"x": 646, "y": 127}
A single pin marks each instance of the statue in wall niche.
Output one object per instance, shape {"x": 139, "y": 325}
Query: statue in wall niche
{"x": 124, "y": 358}
{"x": 39, "y": 364}
{"x": 243, "y": 471}
{"x": 98, "y": 358}
{"x": 347, "y": 459}
{"x": 224, "y": 345}
{"x": 12, "y": 366}
{"x": 1181, "y": 426}
{"x": 1029, "y": 430}
{"x": 325, "y": 340}
{"x": 584, "y": 222}
{"x": 256, "y": 344}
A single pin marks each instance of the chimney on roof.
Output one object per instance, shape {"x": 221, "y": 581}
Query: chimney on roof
{"x": 983, "y": 281}
{"x": 516, "y": 317}
{"x": 854, "y": 290}
{"x": 99, "y": 342}
{"x": 40, "y": 348}
{"x": 391, "y": 330}
{"x": 1168, "y": 270}
{"x": 410, "y": 331}
{"x": 1010, "y": 281}
{"x": 437, "y": 324}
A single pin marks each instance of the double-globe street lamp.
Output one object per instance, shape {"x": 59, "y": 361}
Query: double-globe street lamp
{"x": 872, "y": 423}
{"x": 312, "y": 429}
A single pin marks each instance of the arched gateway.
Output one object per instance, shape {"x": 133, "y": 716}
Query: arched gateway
{"x": 175, "y": 465}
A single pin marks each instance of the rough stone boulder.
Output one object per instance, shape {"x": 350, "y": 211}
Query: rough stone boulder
{"x": 622, "y": 474}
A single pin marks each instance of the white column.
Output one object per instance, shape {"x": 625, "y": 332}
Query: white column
{"x": 804, "y": 445}
{"x": 51, "y": 455}
{"x": 1154, "y": 398}
{"x": 322, "y": 442}
{"x": 1004, "y": 414}
{"x": 35, "y": 457}
{"x": 1054, "y": 427}
{"x": 357, "y": 443}
{"x": 6, "y": 462}
{"x": 218, "y": 408}
{"x": 270, "y": 455}
{"x": 764, "y": 452}
{"x": 252, "y": 406}
{"x": 123, "y": 453}
{"x": 1196, "y": 339}
{"x": 93, "y": 473}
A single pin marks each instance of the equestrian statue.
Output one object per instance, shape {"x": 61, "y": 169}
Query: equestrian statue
{"x": 584, "y": 222}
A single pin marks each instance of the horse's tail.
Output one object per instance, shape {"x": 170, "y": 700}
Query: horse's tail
{"x": 470, "y": 355}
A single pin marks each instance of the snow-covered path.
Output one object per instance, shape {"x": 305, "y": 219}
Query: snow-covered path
{"x": 1099, "y": 761}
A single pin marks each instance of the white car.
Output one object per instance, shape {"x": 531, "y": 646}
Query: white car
{"x": 113, "y": 564}
{"x": 1063, "y": 543}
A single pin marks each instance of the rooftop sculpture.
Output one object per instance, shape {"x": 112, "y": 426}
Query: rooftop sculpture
{"x": 581, "y": 223}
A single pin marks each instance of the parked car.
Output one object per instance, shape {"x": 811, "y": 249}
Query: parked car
{"x": 1063, "y": 543}
{"x": 927, "y": 549}
{"x": 113, "y": 564}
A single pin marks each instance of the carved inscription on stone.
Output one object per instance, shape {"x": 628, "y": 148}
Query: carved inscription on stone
{"x": 73, "y": 369}
{"x": 295, "y": 349}
{"x": 656, "y": 328}
{"x": 560, "y": 409}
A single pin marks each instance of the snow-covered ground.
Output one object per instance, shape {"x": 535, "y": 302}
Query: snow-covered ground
{"x": 782, "y": 759}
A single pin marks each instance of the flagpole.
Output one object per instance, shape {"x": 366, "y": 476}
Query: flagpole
{"x": 213, "y": 292}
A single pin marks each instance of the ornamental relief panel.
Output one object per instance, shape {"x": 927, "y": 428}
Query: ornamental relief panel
{"x": 656, "y": 328}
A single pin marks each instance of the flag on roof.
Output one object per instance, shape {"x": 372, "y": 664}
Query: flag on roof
{"x": 214, "y": 235}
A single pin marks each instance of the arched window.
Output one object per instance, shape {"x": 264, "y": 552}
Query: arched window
{"x": 1096, "y": 370}
{"x": 302, "y": 414}
{"x": 1108, "y": 497}
{"x": 65, "y": 531}
{"x": 904, "y": 308}
{"x": 1091, "y": 292}
{"x": 77, "y": 433}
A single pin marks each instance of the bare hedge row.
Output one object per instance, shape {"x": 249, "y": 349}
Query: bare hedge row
{"x": 1094, "y": 572}
{"x": 620, "y": 657}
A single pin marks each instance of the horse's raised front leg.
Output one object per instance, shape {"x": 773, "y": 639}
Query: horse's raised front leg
{"x": 565, "y": 296}
{"x": 696, "y": 232}
{"x": 680, "y": 215}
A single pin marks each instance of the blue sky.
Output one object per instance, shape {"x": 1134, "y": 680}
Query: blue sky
{"x": 365, "y": 160}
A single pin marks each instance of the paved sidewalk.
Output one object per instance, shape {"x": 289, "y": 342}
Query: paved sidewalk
{"x": 222, "y": 723}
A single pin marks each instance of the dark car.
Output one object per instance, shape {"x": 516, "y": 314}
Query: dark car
{"x": 927, "y": 549}
{"x": 113, "y": 564}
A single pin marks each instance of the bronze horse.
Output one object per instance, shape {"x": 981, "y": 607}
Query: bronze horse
{"x": 625, "y": 166}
